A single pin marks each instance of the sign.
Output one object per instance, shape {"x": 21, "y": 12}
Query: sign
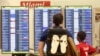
{"x": 34, "y": 3}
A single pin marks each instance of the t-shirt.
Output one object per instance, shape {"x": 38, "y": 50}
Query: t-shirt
{"x": 85, "y": 49}
{"x": 44, "y": 34}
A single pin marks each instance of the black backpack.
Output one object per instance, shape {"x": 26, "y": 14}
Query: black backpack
{"x": 56, "y": 42}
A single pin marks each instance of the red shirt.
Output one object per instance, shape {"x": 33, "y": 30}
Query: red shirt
{"x": 85, "y": 49}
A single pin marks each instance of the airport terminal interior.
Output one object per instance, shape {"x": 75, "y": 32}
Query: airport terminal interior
{"x": 23, "y": 21}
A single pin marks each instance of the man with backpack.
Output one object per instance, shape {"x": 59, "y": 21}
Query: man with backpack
{"x": 56, "y": 38}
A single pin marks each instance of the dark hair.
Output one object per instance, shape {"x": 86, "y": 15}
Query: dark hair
{"x": 81, "y": 35}
{"x": 58, "y": 19}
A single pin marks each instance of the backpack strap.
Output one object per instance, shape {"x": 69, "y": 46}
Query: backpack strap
{"x": 71, "y": 48}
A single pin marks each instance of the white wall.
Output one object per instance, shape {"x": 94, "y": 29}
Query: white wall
{"x": 62, "y": 3}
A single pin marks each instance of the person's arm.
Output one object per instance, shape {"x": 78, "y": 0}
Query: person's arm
{"x": 93, "y": 54}
{"x": 41, "y": 47}
{"x": 92, "y": 51}
{"x": 42, "y": 42}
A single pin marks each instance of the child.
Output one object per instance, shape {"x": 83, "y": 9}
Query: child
{"x": 84, "y": 48}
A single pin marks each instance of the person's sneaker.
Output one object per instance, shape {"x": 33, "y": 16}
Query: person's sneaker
{"x": 54, "y": 44}
{"x": 63, "y": 43}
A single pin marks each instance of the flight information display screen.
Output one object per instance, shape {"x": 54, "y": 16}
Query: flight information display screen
{"x": 79, "y": 18}
{"x": 15, "y": 29}
{"x": 43, "y": 20}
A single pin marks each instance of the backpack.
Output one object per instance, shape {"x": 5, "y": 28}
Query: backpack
{"x": 56, "y": 42}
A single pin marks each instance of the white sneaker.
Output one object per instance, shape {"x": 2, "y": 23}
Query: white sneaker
{"x": 64, "y": 43}
{"x": 54, "y": 44}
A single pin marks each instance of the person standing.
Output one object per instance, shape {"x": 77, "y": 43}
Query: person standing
{"x": 84, "y": 48}
{"x": 57, "y": 20}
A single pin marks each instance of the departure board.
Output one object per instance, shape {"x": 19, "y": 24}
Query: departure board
{"x": 42, "y": 20}
{"x": 15, "y": 29}
{"x": 0, "y": 29}
{"x": 79, "y": 18}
